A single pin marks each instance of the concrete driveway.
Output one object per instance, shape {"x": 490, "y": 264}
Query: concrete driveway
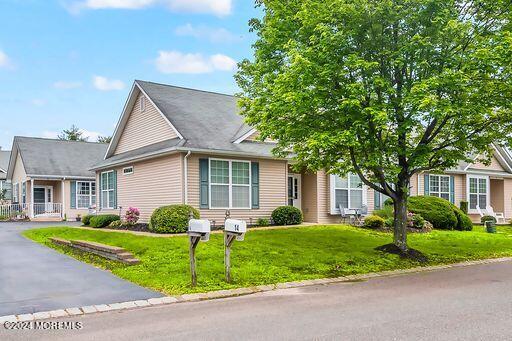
{"x": 36, "y": 278}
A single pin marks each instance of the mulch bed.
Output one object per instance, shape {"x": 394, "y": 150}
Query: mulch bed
{"x": 412, "y": 254}
{"x": 135, "y": 227}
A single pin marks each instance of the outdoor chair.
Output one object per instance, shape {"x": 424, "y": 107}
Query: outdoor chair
{"x": 498, "y": 215}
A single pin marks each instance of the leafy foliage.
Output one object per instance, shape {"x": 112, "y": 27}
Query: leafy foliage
{"x": 464, "y": 223}
{"x": 86, "y": 219}
{"x": 132, "y": 215}
{"x": 104, "y": 139}
{"x": 102, "y": 220}
{"x": 464, "y": 206}
{"x": 262, "y": 222}
{"x": 415, "y": 221}
{"x": 384, "y": 89}
{"x": 373, "y": 222}
{"x": 487, "y": 218}
{"x": 385, "y": 212}
{"x": 73, "y": 134}
{"x": 287, "y": 215}
{"x": 172, "y": 219}
{"x": 436, "y": 210}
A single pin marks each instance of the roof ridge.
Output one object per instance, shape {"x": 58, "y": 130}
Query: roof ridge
{"x": 58, "y": 140}
{"x": 186, "y": 88}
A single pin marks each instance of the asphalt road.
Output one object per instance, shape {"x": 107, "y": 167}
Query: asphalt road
{"x": 465, "y": 303}
{"x": 36, "y": 278}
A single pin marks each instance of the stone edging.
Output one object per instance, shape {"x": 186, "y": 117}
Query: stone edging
{"x": 69, "y": 312}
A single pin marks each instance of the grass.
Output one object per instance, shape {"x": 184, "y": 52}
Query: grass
{"x": 274, "y": 256}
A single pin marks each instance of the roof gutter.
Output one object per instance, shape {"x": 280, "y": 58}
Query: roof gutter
{"x": 59, "y": 177}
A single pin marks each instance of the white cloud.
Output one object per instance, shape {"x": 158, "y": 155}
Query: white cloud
{"x": 215, "y": 35}
{"x": 105, "y": 84}
{"x": 67, "y": 85}
{"x": 192, "y": 63}
{"x": 5, "y": 62}
{"x": 50, "y": 134}
{"x": 217, "y": 7}
{"x": 38, "y": 102}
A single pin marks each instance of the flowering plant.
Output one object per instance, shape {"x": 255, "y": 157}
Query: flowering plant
{"x": 132, "y": 215}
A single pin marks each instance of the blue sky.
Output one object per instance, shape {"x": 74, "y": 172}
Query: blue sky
{"x": 65, "y": 62}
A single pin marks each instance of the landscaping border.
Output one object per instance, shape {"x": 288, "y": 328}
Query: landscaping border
{"x": 232, "y": 292}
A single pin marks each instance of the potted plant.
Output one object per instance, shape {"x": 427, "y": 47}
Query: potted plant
{"x": 78, "y": 217}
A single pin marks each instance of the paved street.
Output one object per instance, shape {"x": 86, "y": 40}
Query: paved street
{"x": 37, "y": 278}
{"x": 464, "y": 303}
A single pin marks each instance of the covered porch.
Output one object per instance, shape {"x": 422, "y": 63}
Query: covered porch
{"x": 45, "y": 198}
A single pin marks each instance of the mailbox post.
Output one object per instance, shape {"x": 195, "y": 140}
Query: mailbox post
{"x": 233, "y": 229}
{"x": 198, "y": 229}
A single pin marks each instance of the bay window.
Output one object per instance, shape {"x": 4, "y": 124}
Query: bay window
{"x": 230, "y": 184}
{"x": 478, "y": 191}
{"x": 85, "y": 194}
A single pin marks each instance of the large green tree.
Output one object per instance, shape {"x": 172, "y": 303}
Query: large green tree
{"x": 381, "y": 88}
{"x": 73, "y": 134}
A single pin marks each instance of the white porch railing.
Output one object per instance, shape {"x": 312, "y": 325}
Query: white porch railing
{"x": 14, "y": 210}
{"x": 24, "y": 210}
{"x": 48, "y": 209}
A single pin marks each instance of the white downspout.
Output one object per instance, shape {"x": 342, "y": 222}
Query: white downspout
{"x": 185, "y": 170}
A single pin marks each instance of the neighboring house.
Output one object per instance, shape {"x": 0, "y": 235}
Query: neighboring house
{"x": 175, "y": 145}
{"x": 51, "y": 178}
{"x": 4, "y": 184}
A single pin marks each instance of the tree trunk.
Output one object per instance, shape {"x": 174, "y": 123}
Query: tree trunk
{"x": 400, "y": 223}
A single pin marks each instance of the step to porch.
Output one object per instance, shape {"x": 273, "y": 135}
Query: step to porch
{"x": 46, "y": 219}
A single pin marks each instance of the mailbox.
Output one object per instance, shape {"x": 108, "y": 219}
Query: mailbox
{"x": 200, "y": 226}
{"x": 238, "y": 227}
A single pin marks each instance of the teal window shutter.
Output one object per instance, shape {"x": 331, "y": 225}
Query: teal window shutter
{"x": 452, "y": 189}
{"x": 376, "y": 199}
{"x": 115, "y": 188}
{"x": 255, "y": 184}
{"x": 72, "y": 197}
{"x": 203, "y": 183}
{"x": 426, "y": 184}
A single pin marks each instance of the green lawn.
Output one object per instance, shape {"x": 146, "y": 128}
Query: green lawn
{"x": 274, "y": 256}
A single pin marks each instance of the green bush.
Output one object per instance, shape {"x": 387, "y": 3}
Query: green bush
{"x": 3, "y": 217}
{"x": 86, "y": 219}
{"x": 287, "y": 215}
{"x": 487, "y": 218}
{"x": 102, "y": 220}
{"x": 385, "y": 212}
{"x": 388, "y": 202}
{"x": 262, "y": 222}
{"x": 464, "y": 223}
{"x": 116, "y": 224}
{"x": 415, "y": 221}
{"x": 172, "y": 219}
{"x": 435, "y": 210}
{"x": 373, "y": 222}
{"x": 464, "y": 207}
{"x": 389, "y": 222}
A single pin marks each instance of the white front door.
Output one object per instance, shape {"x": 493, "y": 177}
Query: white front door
{"x": 294, "y": 190}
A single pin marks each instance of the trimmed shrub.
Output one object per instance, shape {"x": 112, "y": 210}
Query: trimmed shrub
{"x": 103, "y": 220}
{"x": 487, "y": 218}
{"x": 262, "y": 222}
{"x": 385, "y": 212}
{"x": 464, "y": 223}
{"x": 172, "y": 219}
{"x": 86, "y": 219}
{"x": 373, "y": 222}
{"x": 287, "y": 215}
{"x": 389, "y": 222}
{"x": 116, "y": 224}
{"x": 464, "y": 207}
{"x": 436, "y": 210}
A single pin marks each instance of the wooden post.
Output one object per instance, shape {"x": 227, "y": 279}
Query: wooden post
{"x": 194, "y": 240}
{"x": 229, "y": 238}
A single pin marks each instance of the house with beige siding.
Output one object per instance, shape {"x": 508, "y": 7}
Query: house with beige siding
{"x": 5, "y": 186}
{"x": 175, "y": 145}
{"x": 51, "y": 179}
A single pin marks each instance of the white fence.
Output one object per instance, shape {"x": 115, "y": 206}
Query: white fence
{"x": 24, "y": 210}
{"x": 14, "y": 210}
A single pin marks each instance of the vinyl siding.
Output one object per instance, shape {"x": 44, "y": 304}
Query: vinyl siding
{"x": 71, "y": 213}
{"x": 144, "y": 128}
{"x": 507, "y": 204}
{"x": 310, "y": 198}
{"x": 495, "y": 165}
{"x": 18, "y": 176}
{"x": 272, "y": 184}
{"x": 154, "y": 183}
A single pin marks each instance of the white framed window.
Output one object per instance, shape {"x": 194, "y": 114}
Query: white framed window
{"x": 230, "y": 184}
{"x": 85, "y": 194}
{"x": 439, "y": 186}
{"x": 142, "y": 104}
{"x": 478, "y": 191}
{"x": 24, "y": 193}
{"x": 15, "y": 192}
{"x": 128, "y": 170}
{"x": 347, "y": 192}
{"x": 107, "y": 190}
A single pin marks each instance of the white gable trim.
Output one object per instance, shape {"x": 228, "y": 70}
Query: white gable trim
{"x": 123, "y": 119}
{"x": 498, "y": 156}
{"x": 245, "y": 136}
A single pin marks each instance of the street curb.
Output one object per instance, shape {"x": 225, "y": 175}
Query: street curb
{"x": 166, "y": 300}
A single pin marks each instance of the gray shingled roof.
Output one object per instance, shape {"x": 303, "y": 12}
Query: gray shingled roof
{"x": 4, "y": 163}
{"x": 206, "y": 120}
{"x": 58, "y": 158}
